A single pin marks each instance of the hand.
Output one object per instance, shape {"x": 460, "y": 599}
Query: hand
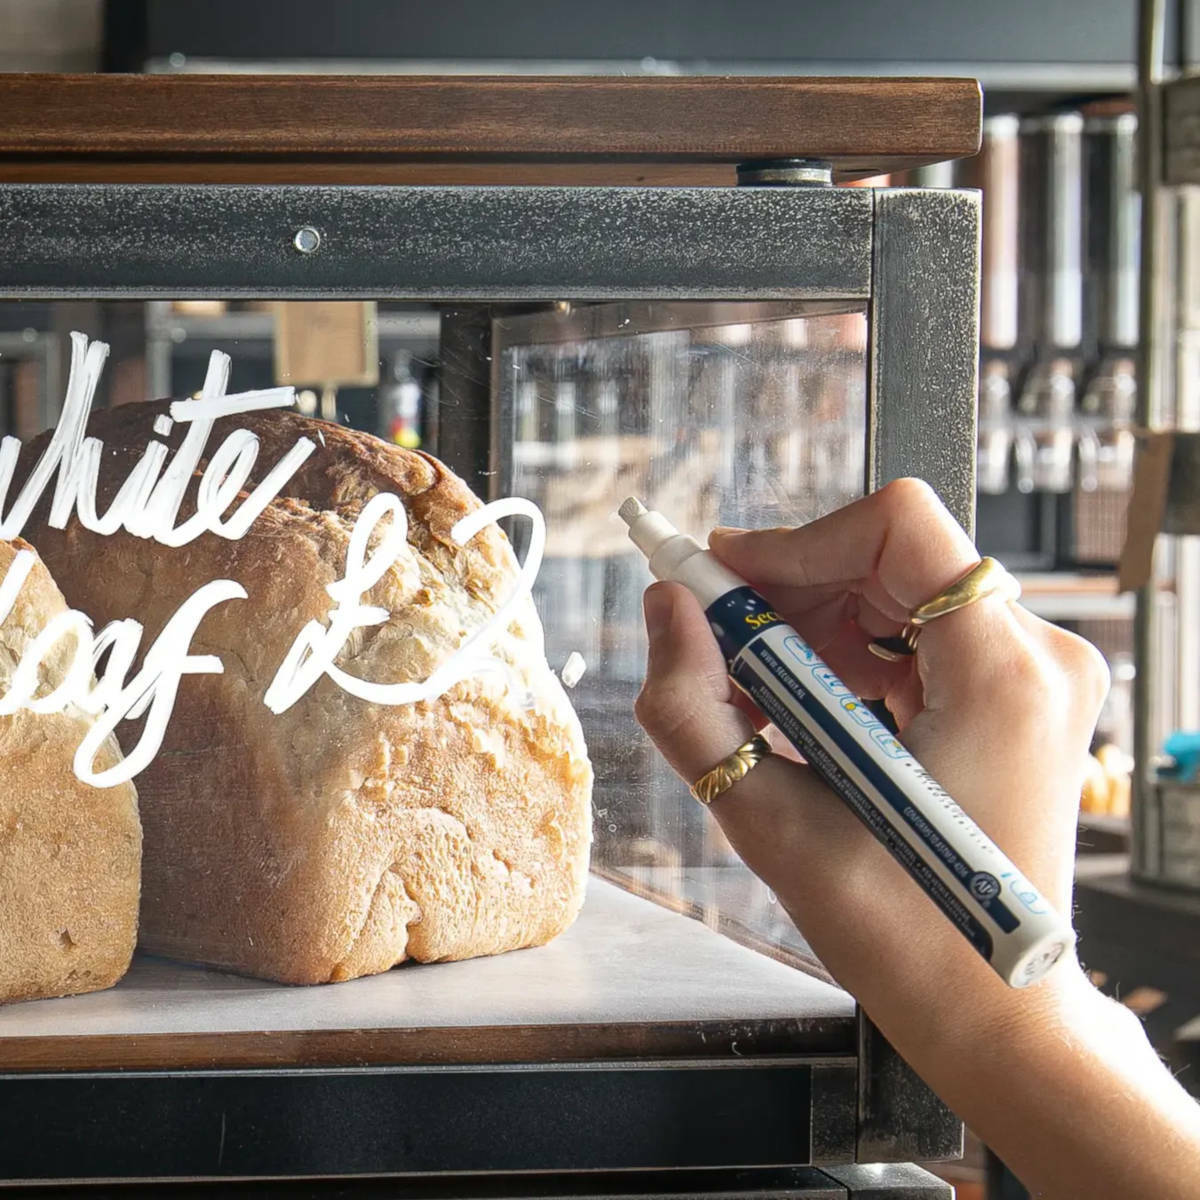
{"x": 999, "y": 707}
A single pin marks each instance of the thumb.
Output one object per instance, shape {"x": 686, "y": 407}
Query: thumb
{"x": 687, "y": 704}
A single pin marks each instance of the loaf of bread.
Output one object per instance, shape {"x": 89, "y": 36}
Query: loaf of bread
{"x": 341, "y": 837}
{"x": 69, "y": 853}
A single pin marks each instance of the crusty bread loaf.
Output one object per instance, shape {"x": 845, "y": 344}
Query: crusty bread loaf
{"x": 341, "y": 837}
{"x": 69, "y": 853}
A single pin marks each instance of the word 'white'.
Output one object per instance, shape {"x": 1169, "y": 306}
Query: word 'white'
{"x": 148, "y": 502}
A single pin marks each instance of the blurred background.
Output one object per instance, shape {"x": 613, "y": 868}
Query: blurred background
{"x": 1059, "y": 334}
{"x": 1060, "y": 255}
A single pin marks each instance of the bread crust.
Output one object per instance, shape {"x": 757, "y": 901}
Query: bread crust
{"x": 341, "y": 837}
{"x": 69, "y": 853}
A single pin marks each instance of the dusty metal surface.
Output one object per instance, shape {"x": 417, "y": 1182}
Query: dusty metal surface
{"x": 922, "y": 411}
{"x": 1153, "y": 362}
{"x": 303, "y": 1122}
{"x": 485, "y": 243}
{"x": 925, "y": 342}
{"x": 891, "y": 1181}
{"x": 899, "y": 1116}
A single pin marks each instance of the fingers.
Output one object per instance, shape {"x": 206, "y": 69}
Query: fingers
{"x": 888, "y": 553}
{"x": 689, "y": 706}
{"x": 1082, "y": 668}
{"x": 900, "y": 536}
{"x": 893, "y": 550}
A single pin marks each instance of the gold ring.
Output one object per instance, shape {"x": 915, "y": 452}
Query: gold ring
{"x": 986, "y": 578}
{"x": 729, "y": 770}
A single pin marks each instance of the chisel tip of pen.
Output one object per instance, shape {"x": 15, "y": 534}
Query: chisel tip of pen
{"x": 631, "y": 509}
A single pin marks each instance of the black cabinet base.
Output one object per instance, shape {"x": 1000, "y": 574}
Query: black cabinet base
{"x": 419, "y": 1121}
{"x": 893, "y": 1181}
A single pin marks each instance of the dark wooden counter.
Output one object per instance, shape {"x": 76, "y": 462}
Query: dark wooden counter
{"x": 467, "y": 129}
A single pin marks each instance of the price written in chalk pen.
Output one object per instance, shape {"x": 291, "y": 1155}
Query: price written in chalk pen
{"x": 147, "y": 505}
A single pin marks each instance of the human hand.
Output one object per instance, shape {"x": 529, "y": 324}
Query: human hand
{"x": 998, "y": 706}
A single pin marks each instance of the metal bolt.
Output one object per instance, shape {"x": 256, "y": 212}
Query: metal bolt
{"x": 307, "y": 240}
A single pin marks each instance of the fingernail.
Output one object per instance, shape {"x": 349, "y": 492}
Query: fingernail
{"x": 726, "y": 530}
{"x": 658, "y": 606}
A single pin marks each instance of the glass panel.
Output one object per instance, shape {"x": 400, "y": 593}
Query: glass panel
{"x": 161, "y": 348}
{"x": 733, "y": 413}
{"x": 730, "y": 414}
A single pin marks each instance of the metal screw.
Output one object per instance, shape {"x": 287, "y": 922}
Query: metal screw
{"x": 307, "y": 240}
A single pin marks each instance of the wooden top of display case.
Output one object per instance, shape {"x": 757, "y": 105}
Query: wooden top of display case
{"x": 471, "y": 129}
{"x": 630, "y": 980}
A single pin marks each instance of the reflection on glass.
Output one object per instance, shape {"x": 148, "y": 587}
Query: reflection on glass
{"x": 995, "y": 435}
{"x": 1045, "y": 431}
{"x": 735, "y": 413}
{"x": 1106, "y": 442}
{"x": 747, "y": 415}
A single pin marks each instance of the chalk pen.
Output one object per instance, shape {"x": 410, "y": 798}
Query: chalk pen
{"x": 969, "y": 878}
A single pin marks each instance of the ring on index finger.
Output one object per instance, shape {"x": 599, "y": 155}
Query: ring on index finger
{"x": 986, "y": 578}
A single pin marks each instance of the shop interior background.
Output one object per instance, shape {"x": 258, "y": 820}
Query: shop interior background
{"x": 1059, "y": 322}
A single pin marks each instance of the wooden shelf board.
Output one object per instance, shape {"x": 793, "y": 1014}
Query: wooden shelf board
{"x": 471, "y": 129}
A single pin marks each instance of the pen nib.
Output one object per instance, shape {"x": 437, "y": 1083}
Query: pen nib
{"x": 630, "y": 510}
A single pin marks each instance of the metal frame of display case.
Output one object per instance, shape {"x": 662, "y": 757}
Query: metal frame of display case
{"x": 910, "y": 255}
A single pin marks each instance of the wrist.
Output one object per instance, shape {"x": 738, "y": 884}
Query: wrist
{"x": 1020, "y": 1033}
{"x": 970, "y": 1015}
{"x": 1047, "y": 1009}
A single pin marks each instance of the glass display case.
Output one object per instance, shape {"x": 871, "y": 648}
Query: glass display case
{"x": 751, "y": 354}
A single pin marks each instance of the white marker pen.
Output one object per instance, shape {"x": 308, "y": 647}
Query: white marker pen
{"x": 990, "y": 902}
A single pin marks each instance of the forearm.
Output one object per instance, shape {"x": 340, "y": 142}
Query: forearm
{"x": 1061, "y": 1082}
